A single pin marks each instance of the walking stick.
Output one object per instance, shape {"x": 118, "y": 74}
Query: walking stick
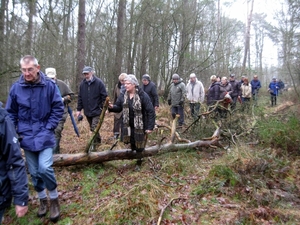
{"x": 102, "y": 115}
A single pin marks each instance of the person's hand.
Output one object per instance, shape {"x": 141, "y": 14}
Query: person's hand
{"x": 78, "y": 113}
{"x": 21, "y": 210}
{"x": 110, "y": 105}
{"x": 169, "y": 102}
{"x": 148, "y": 131}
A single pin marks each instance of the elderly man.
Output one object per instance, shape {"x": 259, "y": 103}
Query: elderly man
{"x": 92, "y": 94}
{"x": 35, "y": 106}
{"x": 255, "y": 85}
{"x": 195, "y": 95}
{"x": 67, "y": 96}
{"x": 176, "y": 98}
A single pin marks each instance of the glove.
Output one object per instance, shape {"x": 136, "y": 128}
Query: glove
{"x": 181, "y": 103}
{"x": 169, "y": 102}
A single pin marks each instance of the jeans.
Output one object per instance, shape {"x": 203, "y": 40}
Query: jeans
{"x": 1, "y": 215}
{"x": 195, "y": 109}
{"x": 178, "y": 110}
{"x": 40, "y": 169}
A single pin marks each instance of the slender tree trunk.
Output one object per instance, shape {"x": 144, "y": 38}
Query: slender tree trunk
{"x": 119, "y": 45}
{"x": 2, "y": 33}
{"x": 184, "y": 40}
{"x": 247, "y": 36}
{"x": 29, "y": 31}
{"x": 81, "y": 53}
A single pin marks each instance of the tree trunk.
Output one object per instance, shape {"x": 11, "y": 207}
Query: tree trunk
{"x": 119, "y": 45}
{"x": 81, "y": 41}
{"x": 29, "y": 31}
{"x": 247, "y": 36}
{"x": 109, "y": 155}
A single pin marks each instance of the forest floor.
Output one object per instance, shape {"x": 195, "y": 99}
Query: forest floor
{"x": 184, "y": 187}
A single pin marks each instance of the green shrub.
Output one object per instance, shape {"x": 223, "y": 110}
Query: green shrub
{"x": 280, "y": 133}
{"x": 219, "y": 176}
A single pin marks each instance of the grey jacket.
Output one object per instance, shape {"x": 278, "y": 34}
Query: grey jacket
{"x": 177, "y": 93}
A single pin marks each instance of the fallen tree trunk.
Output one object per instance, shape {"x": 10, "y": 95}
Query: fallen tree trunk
{"x": 109, "y": 155}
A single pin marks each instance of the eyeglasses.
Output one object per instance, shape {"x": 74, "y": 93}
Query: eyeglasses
{"x": 127, "y": 83}
{"x": 29, "y": 70}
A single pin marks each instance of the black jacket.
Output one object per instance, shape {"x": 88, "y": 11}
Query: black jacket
{"x": 213, "y": 94}
{"x": 13, "y": 177}
{"x": 151, "y": 90}
{"x": 147, "y": 109}
{"x": 91, "y": 97}
{"x": 236, "y": 88}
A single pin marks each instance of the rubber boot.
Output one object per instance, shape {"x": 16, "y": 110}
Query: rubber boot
{"x": 43, "y": 208}
{"x": 54, "y": 210}
{"x": 138, "y": 161}
{"x": 56, "y": 149}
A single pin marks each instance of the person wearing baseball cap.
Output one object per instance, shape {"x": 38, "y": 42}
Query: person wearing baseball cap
{"x": 67, "y": 96}
{"x": 91, "y": 96}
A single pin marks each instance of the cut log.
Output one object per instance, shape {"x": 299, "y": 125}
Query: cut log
{"x": 109, "y": 155}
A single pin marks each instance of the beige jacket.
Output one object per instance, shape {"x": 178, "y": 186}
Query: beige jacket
{"x": 246, "y": 90}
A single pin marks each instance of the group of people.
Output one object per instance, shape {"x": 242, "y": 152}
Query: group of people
{"x": 36, "y": 111}
{"x": 33, "y": 119}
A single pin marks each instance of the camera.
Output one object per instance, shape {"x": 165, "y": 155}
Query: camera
{"x": 79, "y": 118}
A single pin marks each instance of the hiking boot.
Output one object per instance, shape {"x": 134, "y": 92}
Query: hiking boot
{"x": 54, "y": 210}
{"x": 43, "y": 208}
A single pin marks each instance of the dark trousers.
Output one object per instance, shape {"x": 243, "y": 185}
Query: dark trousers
{"x": 93, "y": 122}
{"x": 1, "y": 214}
{"x": 233, "y": 103}
{"x": 195, "y": 109}
{"x": 246, "y": 104}
{"x": 178, "y": 110}
{"x": 273, "y": 99}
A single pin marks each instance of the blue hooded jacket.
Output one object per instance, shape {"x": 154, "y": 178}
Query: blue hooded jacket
{"x": 35, "y": 109}
{"x": 273, "y": 86}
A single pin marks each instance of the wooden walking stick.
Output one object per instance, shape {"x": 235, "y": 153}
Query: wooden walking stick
{"x": 102, "y": 115}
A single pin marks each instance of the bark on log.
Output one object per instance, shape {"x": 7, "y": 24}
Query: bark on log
{"x": 109, "y": 155}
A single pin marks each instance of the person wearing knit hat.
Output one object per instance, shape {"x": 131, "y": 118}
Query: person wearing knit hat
{"x": 138, "y": 116}
{"x": 150, "y": 88}
{"x": 195, "y": 95}
{"x": 67, "y": 96}
{"x": 176, "y": 98}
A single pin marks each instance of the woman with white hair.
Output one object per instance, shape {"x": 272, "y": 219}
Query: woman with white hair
{"x": 138, "y": 115}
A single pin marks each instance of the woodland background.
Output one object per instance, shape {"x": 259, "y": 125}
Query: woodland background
{"x": 253, "y": 179}
{"x": 158, "y": 37}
